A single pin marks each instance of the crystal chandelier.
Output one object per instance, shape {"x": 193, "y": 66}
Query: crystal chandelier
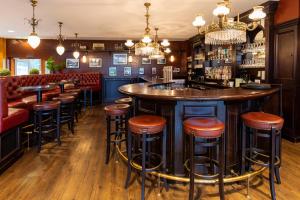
{"x": 33, "y": 39}
{"x": 157, "y": 52}
{"x": 60, "y": 49}
{"x": 227, "y": 31}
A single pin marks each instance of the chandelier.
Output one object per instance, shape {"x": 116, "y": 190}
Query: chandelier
{"x": 227, "y": 31}
{"x": 147, "y": 47}
{"x": 33, "y": 39}
{"x": 76, "y": 53}
{"x": 60, "y": 49}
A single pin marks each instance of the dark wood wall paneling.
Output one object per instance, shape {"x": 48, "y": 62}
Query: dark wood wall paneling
{"x": 20, "y": 49}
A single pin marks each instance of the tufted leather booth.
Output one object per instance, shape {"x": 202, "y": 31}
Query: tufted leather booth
{"x": 14, "y": 96}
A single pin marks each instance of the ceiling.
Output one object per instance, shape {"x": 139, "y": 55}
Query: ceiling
{"x": 110, "y": 19}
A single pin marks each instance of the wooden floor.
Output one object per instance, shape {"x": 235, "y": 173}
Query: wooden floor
{"x": 76, "y": 170}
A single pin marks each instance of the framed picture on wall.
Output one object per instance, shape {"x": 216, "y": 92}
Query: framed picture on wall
{"x": 153, "y": 70}
{"x": 176, "y": 69}
{"x": 112, "y": 71}
{"x": 161, "y": 61}
{"x": 146, "y": 61}
{"x": 120, "y": 58}
{"x": 72, "y": 63}
{"x": 95, "y": 62}
{"x": 127, "y": 71}
{"x": 141, "y": 71}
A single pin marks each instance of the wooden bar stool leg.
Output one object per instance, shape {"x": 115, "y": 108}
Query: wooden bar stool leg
{"x": 192, "y": 167}
{"x": 40, "y": 131}
{"x": 278, "y": 147}
{"x": 129, "y": 155}
{"x": 108, "y": 128}
{"x": 143, "y": 165}
{"x": 243, "y": 149}
{"x": 272, "y": 162}
{"x": 58, "y": 125}
{"x": 221, "y": 167}
{"x": 164, "y": 153}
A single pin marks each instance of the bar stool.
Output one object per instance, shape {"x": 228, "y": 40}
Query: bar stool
{"x": 67, "y": 111}
{"x": 126, "y": 100}
{"x": 86, "y": 90}
{"x": 115, "y": 113}
{"x": 268, "y": 126}
{"x": 211, "y": 130}
{"x": 47, "y": 120}
{"x": 149, "y": 128}
{"x": 77, "y": 103}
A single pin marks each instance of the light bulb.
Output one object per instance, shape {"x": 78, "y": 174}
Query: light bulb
{"x": 165, "y": 43}
{"x": 168, "y": 50}
{"x": 130, "y": 59}
{"x": 60, "y": 49}
{"x": 129, "y": 43}
{"x": 221, "y": 10}
{"x": 76, "y": 54}
{"x": 199, "y": 21}
{"x": 172, "y": 58}
{"x": 84, "y": 59}
{"x": 146, "y": 39}
{"x": 257, "y": 13}
{"x": 33, "y": 40}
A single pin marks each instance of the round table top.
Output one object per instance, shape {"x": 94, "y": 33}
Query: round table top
{"x": 36, "y": 88}
{"x": 150, "y": 91}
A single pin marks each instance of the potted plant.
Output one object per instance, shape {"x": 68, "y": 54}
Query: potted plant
{"x": 60, "y": 66}
{"x": 34, "y": 71}
{"x": 50, "y": 65}
{"x": 4, "y": 72}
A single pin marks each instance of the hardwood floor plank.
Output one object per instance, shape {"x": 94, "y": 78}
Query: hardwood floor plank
{"x": 76, "y": 171}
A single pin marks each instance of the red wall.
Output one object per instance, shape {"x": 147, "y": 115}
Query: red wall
{"x": 20, "y": 49}
{"x": 287, "y": 10}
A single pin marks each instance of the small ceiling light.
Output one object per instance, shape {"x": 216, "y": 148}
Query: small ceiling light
{"x": 165, "y": 43}
{"x": 60, "y": 49}
{"x": 130, "y": 59}
{"x": 199, "y": 21}
{"x": 10, "y": 31}
{"x": 172, "y": 58}
{"x": 129, "y": 43}
{"x": 33, "y": 39}
{"x": 167, "y": 50}
{"x": 257, "y": 13}
{"x": 221, "y": 9}
{"x": 76, "y": 53}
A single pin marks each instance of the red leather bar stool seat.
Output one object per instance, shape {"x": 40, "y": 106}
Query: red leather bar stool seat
{"x": 49, "y": 95}
{"x": 262, "y": 121}
{"x": 29, "y": 101}
{"x": 116, "y": 109}
{"x": 64, "y": 99}
{"x": 73, "y": 90}
{"x": 204, "y": 127}
{"x": 74, "y": 94}
{"x": 127, "y": 100}
{"x": 151, "y": 124}
{"x": 210, "y": 132}
{"x": 47, "y": 105}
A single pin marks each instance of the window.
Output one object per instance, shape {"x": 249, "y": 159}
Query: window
{"x": 23, "y": 66}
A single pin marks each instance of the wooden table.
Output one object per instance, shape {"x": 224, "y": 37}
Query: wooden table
{"x": 38, "y": 89}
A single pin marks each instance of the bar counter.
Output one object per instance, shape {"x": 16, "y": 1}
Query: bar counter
{"x": 176, "y": 103}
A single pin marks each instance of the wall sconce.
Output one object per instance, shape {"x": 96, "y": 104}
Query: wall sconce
{"x": 84, "y": 59}
{"x": 130, "y": 59}
{"x": 172, "y": 58}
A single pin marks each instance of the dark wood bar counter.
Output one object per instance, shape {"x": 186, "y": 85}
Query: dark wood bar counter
{"x": 175, "y": 102}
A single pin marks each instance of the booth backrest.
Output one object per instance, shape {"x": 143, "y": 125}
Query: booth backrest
{"x": 3, "y": 99}
{"x": 92, "y": 79}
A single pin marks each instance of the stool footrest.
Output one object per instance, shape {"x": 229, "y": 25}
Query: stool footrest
{"x": 139, "y": 155}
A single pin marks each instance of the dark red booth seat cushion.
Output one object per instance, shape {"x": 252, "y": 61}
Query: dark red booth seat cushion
{"x": 15, "y": 118}
{"x": 17, "y": 104}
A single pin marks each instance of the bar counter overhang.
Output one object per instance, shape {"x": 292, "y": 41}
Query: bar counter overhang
{"x": 155, "y": 97}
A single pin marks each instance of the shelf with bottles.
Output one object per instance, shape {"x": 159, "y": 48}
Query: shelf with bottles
{"x": 257, "y": 47}
{"x": 218, "y": 73}
{"x": 189, "y": 59}
{"x": 220, "y": 54}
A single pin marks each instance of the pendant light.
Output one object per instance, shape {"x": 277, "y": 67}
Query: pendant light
{"x": 76, "y": 53}
{"x": 60, "y": 49}
{"x": 33, "y": 39}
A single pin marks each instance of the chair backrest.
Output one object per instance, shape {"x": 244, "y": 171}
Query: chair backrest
{"x": 3, "y": 98}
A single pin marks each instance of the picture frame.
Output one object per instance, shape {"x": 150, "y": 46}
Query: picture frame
{"x": 176, "y": 70}
{"x": 120, "y": 58}
{"x": 146, "y": 61}
{"x": 141, "y": 70}
{"x": 153, "y": 70}
{"x": 98, "y": 46}
{"x": 161, "y": 61}
{"x": 95, "y": 62}
{"x": 72, "y": 63}
{"x": 112, "y": 71}
{"x": 127, "y": 71}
